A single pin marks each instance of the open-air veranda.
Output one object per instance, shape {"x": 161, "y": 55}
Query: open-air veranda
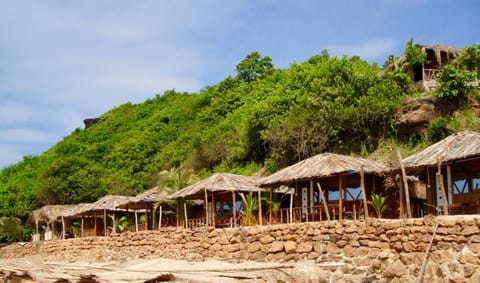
{"x": 442, "y": 179}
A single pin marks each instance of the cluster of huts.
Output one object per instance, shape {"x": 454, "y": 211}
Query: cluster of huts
{"x": 442, "y": 179}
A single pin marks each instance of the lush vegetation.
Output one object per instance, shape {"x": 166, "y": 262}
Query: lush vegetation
{"x": 261, "y": 117}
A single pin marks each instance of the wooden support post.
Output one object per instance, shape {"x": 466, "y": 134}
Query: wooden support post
{"x": 260, "y": 208}
{"x": 291, "y": 206}
{"x": 206, "y": 206}
{"x": 105, "y": 222}
{"x": 81, "y": 228}
{"x": 442, "y": 187}
{"x": 160, "y": 217}
{"x": 270, "y": 206}
{"x": 213, "y": 210}
{"x": 94, "y": 224}
{"x": 405, "y": 186}
{"x": 324, "y": 201}
{"x": 63, "y": 228}
{"x": 234, "y": 207}
{"x": 364, "y": 192}
{"x": 186, "y": 215}
{"x": 136, "y": 221}
{"x": 340, "y": 197}
{"x": 449, "y": 184}
{"x": 178, "y": 212}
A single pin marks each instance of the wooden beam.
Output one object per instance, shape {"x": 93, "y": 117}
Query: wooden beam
{"x": 442, "y": 187}
{"x": 324, "y": 201}
{"x": 405, "y": 186}
{"x": 160, "y": 217}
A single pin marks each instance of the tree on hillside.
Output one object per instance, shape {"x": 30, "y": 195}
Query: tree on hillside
{"x": 254, "y": 66}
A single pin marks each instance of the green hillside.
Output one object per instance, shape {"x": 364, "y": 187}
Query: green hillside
{"x": 262, "y": 117}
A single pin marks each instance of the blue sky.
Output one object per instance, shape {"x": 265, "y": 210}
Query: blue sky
{"x": 64, "y": 61}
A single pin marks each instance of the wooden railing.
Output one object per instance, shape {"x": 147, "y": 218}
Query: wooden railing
{"x": 194, "y": 222}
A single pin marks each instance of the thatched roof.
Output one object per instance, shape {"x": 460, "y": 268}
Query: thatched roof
{"x": 49, "y": 213}
{"x": 458, "y": 146}
{"x": 219, "y": 182}
{"x": 109, "y": 202}
{"x": 323, "y": 165}
{"x": 77, "y": 209}
{"x": 151, "y": 196}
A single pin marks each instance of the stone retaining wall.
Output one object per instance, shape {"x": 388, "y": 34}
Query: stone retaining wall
{"x": 387, "y": 249}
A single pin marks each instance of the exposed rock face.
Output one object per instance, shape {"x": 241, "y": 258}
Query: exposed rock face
{"x": 90, "y": 122}
{"x": 416, "y": 113}
{"x": 375, "y": 249}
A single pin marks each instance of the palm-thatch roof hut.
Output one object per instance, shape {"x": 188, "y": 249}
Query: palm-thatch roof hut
{"x": 449, "y": 173}
{"x": 49, "y": 214}
{"x": 108, "y": 203}
{"x": 218, "y": 186}
{"x": 339, "y": 175}
{"x": 146, "y": 201}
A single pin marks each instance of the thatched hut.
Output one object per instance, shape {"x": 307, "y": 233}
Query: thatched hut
{"x": 50, "y": 215}
{"x": 335, "y": 178}
{"x": 448, "y": 170}
{"x": 98, "y": 211}
{"x": 149, "y": 201}
{"x": 219, "y": 193}
{"x": 436, "y": 57}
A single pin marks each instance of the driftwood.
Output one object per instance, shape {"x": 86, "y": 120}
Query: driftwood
{"x": 427, "y": 252}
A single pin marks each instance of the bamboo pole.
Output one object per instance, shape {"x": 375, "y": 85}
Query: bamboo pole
{"x": 449, "y": 184}
{"x": 362, "y": 187}
{"x": 178, "y": 212}
{"x": 324, "y": 201}
{"x": 405, "y": 186}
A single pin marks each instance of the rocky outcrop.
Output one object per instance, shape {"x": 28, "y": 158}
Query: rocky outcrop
{"x": 90, "y": 122}
{"x": 415, "y": 115}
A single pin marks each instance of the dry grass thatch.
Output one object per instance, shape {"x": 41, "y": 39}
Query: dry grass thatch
{"x": 322, "y": 165}
{"x": 458, "y": 146}
{"x": 49, "y": 213}
{"x": 148, "y": 197}
{"x": 108, "y": 202}
{"x": 219, "y": 182}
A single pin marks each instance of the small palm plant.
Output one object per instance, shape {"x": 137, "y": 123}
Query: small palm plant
{"x": 275, "y": 203}
{"x": 119, "y": 224}
{"x": 250, "y": 204}
{"x": 378, "y": 203}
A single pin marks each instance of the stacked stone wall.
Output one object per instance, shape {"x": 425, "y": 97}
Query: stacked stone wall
{"x": 376, "y": 248}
